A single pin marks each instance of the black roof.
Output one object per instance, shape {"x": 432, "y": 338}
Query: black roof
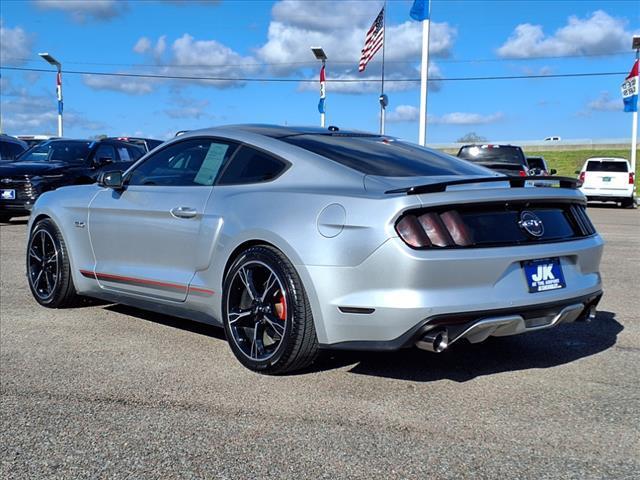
{"x": 277, "y": 131}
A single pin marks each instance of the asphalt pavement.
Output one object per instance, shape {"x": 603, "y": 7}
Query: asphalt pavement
{"x": 106, "y": 391}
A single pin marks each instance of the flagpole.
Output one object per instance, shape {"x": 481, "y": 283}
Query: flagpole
{"x": 424, "y": 79}
{"x": 322, "y": 96}
{"x": 384, "y": 41}
{"x": 634, "y": 132}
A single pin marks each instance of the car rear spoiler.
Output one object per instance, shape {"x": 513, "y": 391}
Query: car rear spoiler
{"x": 514, "y": 182}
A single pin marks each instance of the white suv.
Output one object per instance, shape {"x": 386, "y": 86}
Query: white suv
{"x": 607, "y": 180}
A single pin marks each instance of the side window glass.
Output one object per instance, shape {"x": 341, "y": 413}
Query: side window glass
{"x": 135, "y": 152}
{"x": 124, "y": 154}
{"x": 105, "y": 151}
{"x": 189, "y": 163}
{"x": 251, "y": 166}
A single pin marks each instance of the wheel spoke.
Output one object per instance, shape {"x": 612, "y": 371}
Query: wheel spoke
{"x": 32, "y": 253}
{"x": 271, "y": 282}
{"x": 46, "y": 278}
{"x": 275, "y": 325}
{"x": 246, "y": 276}
{"x": 37, "y": 280}
{"x": 238, "y": 316}
{"x": 42, "y": 239}
{"x": 52, "y": 258}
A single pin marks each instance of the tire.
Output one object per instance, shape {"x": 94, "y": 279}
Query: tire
{"x": 266, "y": 313}
{"x": 627, "y": 203}
{"x": 47, "y": 253}
{"x": 5, "y": 218}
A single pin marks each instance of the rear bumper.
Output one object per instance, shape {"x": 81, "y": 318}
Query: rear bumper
{"x": 478, "y": 326}
{"x": 397, "y": 290}
{"x": 15, "y": 208}
{"x": 607, "y": 193}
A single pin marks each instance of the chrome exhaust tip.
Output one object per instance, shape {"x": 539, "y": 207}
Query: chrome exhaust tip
{"x": 436, "y": 341}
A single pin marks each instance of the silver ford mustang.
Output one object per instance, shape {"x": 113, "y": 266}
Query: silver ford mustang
{"x": 299, "y": 239}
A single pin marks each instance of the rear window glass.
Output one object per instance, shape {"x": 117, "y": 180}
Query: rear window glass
{"x": 492, "y": 154}
{"x": 535, "y": 162}
{"x": 251, "y": 166}
{"x": 606, "y": 166}
{"x": 375, "y": 155}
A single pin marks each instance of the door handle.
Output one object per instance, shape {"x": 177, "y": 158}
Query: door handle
{"x": 183, "y": 212}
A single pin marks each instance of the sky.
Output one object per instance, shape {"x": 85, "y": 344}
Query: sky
{"x": 260, "y": 53}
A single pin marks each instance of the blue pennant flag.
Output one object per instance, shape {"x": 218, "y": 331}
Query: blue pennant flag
{"x": 321, "y": 105}
{"x": 420, "y": 10}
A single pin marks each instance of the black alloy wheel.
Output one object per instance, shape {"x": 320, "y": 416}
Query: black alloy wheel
{"x": 267, "y": 317}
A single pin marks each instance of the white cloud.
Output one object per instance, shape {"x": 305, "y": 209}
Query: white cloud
{"x": 410, "y": 113}
{"x": 464, "y": 118}
{"x": 143, "y": 45}
{"x": 83, "y": 10}
{"x": 602, "y": 103}
{"x": 188, "y": 108}
{"x": 403, "y": 113}
{"x": 598, "y": 34}
{"x": 15, "y": 45}
{"x": 24, "y": 112}
{"x": 130, "y": 85}
{"x": 293, "y": 31}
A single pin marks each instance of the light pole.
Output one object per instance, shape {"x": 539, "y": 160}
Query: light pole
{"x": 52, "y": 61}
{"x": 320, "y": 55}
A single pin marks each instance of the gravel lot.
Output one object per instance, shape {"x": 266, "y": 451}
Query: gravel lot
{"x": 113, "y": 392}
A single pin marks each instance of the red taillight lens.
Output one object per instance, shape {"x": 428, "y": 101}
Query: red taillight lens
{"x": 412, "y": 233}
{"x": 434, "y": 230}
{"x": 457, "y": 229}
{"x": 631, "y": 178}
{"x": 581, "y": 177}
{"x": 522, "y": 173}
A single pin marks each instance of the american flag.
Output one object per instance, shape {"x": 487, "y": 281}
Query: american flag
{"x": 373, "y": 42}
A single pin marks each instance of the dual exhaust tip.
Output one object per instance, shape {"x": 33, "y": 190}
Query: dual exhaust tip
{"x": 436, "y": 341}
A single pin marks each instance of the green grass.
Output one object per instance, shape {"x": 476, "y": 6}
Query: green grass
{"x": 567, "y": 162}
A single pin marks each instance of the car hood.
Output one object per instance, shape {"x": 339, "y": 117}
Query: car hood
{"x": 12, "y": 169}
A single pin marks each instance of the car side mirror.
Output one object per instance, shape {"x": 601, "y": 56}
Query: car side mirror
{"x": 112, "y": 180}
{"x": 553, "y": 171}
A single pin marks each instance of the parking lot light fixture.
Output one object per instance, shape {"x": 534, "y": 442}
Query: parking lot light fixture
{"x": 55, "y": 63}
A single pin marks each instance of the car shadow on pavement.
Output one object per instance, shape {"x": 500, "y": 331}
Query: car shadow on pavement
{"x": 170, "y": 321}
{"x": 465, "y": 361}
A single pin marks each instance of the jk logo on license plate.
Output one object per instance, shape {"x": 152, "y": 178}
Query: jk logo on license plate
{"x": 545, "y": 274}
{"x": 7, "y": 194}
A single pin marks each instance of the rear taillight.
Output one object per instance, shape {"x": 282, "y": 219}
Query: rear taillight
{"x": 522, "y": 173}
{"x": 434, "y": 230}
{"x": 631, "y": 175}
{"x": 581, "y": 177}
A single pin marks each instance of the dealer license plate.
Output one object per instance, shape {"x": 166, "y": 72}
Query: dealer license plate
{"x": 8, "y": 194}
{"x": 543, "y": 274}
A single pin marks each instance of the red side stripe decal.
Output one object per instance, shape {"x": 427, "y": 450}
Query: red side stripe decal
{"x": 142, "y": 281}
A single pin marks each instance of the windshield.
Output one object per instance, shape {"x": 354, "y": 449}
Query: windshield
{"x": 606, "y": 166}
{"x": 384, "y": 156}
{"x": 492, "y": 154}
{"x": 75, "y": 151}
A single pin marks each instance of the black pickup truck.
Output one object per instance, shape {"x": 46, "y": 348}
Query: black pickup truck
{"x": 57, "y": 163}
{"x": 507, "y": 159}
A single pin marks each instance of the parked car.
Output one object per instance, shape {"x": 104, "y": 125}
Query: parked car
{"x": 507, "y": 159}
{"x": 297, "y": 239}
{"x": 552, "y": 139}
{"x": 538, "y": 166}
{"x": 54, "y": 164}
{"x": 147, "y": 143}
{"x": 11, "y": 147}
{"x": 32, "y": 140}
{"x": 607, "y": 180}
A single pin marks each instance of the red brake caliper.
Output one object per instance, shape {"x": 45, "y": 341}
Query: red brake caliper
{"x": 281, "y": 307}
